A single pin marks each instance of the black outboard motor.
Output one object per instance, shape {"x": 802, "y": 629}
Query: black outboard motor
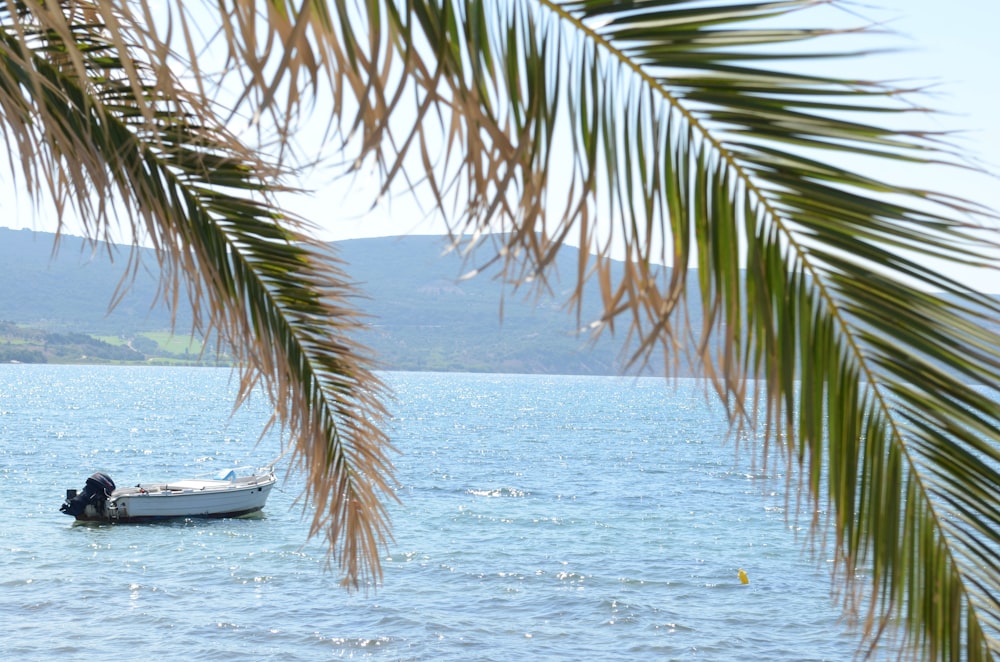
{"x": 95, "y": 493}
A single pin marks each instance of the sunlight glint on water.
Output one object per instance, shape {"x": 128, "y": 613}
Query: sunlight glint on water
{"x": 541, "y": 518}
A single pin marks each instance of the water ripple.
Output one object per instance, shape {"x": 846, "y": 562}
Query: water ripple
{"x": 542, "y": 518}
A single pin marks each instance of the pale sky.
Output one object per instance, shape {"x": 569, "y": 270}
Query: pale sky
{"x": 953, "y": 45}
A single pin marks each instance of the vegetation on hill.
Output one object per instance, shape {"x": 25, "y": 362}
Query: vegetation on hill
{"x": 22, "y": 344}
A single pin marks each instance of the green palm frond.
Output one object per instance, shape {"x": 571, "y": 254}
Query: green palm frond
{"x": 811, "y": 275}
{"x": 91, "y": 120}
{"x": 695, "y": 133}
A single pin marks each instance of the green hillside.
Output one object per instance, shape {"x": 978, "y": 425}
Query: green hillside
{"x": 72, "y": 288}
{"x": 422, "y": 315}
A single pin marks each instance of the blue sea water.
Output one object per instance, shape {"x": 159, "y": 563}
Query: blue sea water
{"x": 541, "y": 518}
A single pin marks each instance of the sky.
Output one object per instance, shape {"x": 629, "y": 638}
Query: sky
{"x": 952, "y": 45}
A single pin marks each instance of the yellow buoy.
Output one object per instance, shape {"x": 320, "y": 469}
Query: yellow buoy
{"x": 742, "y": 574}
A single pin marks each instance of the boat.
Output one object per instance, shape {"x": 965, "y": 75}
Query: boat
{"x": 228, "y": 495}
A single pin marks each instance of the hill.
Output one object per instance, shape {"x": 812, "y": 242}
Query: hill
{"x": 423, "y": 315}
{"x": 70, "y": 289}
{"x": 426, "y": 317}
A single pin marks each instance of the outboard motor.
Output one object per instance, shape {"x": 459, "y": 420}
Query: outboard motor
{"x": 95, "y": 493}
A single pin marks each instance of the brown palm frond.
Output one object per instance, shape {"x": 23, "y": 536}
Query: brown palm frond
{"x": 90, "y": 121}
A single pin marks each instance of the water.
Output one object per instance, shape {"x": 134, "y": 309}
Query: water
{"x": 558, "y": 518}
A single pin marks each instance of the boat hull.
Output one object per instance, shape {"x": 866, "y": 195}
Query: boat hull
{"x": 183, "y": 499}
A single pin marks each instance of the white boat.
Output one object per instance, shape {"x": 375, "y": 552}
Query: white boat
{"x": 225, "y": 496}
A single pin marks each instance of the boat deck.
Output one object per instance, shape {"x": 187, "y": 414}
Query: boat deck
{"x": 193, "y": 485}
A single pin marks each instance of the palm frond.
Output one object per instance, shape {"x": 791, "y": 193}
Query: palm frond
{"x": 810, "y": 275}
{"x": 695, "y": 134}
{"x": 88, "y": 118}
{"x": 702, "y": 133}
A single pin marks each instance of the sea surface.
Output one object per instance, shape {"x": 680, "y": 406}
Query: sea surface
{"x": 542, "y": 518}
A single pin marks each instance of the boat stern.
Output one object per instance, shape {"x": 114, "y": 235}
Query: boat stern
{"x": 92, "y": 502}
